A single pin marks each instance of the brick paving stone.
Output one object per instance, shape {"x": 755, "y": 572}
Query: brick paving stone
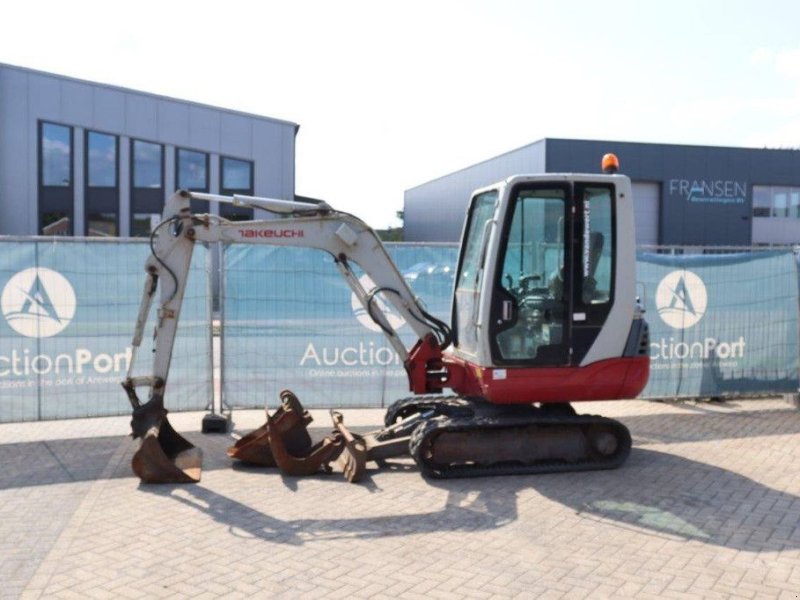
{"x": 708, "y": 506}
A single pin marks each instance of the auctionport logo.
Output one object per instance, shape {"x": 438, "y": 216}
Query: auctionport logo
{"x": 378, "y": 306}
{"x": 38, "y": 302}
{"x": 681, "y": 299}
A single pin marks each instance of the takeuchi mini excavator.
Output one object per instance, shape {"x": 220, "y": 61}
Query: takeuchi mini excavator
{"x": 544, "y": 314}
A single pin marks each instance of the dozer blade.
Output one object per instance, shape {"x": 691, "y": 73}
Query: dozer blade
{"x": 164, "y": 456}
{"x": 289, "y": 421}
{"x": 353, "y": 459}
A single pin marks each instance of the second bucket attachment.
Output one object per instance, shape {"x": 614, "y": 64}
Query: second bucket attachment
{"x": 284, "y": 442}
{"x": 290, "y": 421}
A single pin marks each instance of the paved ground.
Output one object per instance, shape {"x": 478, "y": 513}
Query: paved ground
{"x": 708, "y": 506}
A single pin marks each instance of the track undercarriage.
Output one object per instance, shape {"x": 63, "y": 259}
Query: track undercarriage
{"x": 447, "y": 437}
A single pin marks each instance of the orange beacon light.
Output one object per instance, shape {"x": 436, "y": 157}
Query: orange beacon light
{"x": 610, "y": 163}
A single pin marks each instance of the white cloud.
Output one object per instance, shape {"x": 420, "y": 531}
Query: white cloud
{"x": 785, "y": 62}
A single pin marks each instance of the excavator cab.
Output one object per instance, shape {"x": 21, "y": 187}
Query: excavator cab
{"x": 542, "y": 272}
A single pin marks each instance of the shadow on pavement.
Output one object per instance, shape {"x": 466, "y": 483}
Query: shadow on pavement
{"x": 49, "y": 462}
{"x": 468, "y": 508}
{"x": 656, "y": 493}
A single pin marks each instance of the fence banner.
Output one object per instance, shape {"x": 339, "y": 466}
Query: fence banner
{"x": 291, "y": 321}
{"x": 721, "y": 324}
{"x": 69, "y": 311}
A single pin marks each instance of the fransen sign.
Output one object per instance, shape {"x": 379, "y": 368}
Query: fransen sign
{"x": 681, "y": 301}
{"x": 41, "y": 303}
{"x": 709, "y": 191}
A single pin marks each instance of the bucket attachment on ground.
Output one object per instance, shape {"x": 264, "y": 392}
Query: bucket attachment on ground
{"x": 290, "y": 421}
{"x": 353, "y": 459}
{"x": 312, "y": 458}
{"x": 284, "y": 442}
{"x": 164, "y": 456}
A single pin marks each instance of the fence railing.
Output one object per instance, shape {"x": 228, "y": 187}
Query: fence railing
{"x": 723, "y": 322}
{"x": 69, "y": 306}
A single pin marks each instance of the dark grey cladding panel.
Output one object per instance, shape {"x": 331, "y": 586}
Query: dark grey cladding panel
{"x": 706, "y": 192}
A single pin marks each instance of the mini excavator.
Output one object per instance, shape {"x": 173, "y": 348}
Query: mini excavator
{"x": 544, "y": 314}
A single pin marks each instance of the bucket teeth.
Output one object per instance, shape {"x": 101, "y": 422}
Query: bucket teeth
{"x": 164, "y": 455}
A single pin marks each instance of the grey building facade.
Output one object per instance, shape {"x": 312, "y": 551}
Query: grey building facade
{"x": 83, "y": 158}
{"x": 683, "y": 195}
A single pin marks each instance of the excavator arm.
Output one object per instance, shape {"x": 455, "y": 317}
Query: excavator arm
{"x": 349, "y": 241}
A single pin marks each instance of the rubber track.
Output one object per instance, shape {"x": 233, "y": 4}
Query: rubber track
{"x": 425, "y": 434}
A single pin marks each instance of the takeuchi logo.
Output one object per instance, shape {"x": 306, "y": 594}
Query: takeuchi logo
{"x": 38, "y": 302}
{"x": 681, "y": 299}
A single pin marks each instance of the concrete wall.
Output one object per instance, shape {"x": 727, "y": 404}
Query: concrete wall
{"x": 29, "y": 96}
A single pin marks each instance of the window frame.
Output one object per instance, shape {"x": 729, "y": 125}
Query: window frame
{"x": 145, "y": 199}
{"x": 178, "y": 150}
{"x": 86, "y": 162}
{"x": 101, "y": 198}
{"x": 223, "y": 188}
{"x": 236, "y": 213}
{"x": 54, "y": 198}
{"x": 40, "y": 151}
{"x": 771, "y": 208}
{"x": 162, "y": 170}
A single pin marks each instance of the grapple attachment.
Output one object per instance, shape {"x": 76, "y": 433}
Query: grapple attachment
{"x": 284, "y": 442}
{"x": 164, "y": 456}
{"x": 289, "y": 421}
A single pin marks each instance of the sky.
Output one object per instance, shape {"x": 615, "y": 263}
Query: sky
{"x": 389, "y": 95}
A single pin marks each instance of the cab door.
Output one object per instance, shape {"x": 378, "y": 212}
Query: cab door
{"x": 532, "y": 295}
{"x": 554, "y": 286}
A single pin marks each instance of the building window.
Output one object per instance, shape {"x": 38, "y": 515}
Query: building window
{"x": 237, "y": 178}
{"x": 101, "y": 224}
{"x": 192, "y": 170}
{"x": 56, "y": 149}
{"x": 56, "y": 193}
{"x": 143, "y": 223}
{"x": 101, "y": 153}
{"x": 237, "y": 175}
{"x": 55, "y": 223}
{"x": 776, "y": 201}
{"x": 147, "y": 161}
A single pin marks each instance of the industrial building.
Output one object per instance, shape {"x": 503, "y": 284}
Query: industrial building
{"x": 82, "y": 158}
{"x": 683, "y": 195}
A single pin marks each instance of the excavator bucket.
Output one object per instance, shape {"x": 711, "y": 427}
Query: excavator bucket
{"x": 353, "y": 459}
{"x": 289, "y": 421}
{"x": 164, "y": 456}
{"x": 282, "y": 433}
{"x": 284, "y": 442}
